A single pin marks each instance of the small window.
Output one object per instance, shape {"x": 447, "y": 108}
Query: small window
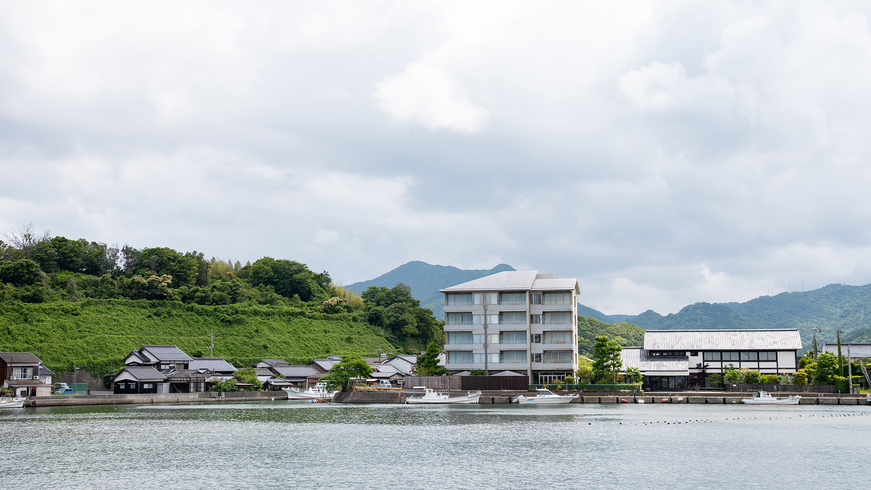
{"x": 749, "y": 356}
{"x": 694, "y": 353}
{"x": 536, "y": 338}
{"x": 536, "y": 298}
{"x": 768, "y": 356}
{"x": 712, "y": 356}
{"x": 536, "y": 357}
{"x": 730, "y": 356}
{"x": 536, "y": 319}
{"x": 147, "y": 386}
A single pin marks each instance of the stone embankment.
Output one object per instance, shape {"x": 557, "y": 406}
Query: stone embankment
{"x": 152, "y": 398}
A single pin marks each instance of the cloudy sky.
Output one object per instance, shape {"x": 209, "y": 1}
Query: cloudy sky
{"x": 663, "y": 153}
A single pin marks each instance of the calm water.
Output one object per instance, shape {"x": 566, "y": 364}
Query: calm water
{"x": 284, "y": 445}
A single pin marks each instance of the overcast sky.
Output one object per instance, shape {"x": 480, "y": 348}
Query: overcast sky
{"x": 663, "y": 153}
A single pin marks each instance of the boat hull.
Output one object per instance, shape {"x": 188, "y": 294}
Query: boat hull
{"x": 785, "y": 401}
{"x": 14, "y": 403}
{"x": 307, "y": 396}
{"x": 444, "y": 399}
{"x": 537, "y": 400}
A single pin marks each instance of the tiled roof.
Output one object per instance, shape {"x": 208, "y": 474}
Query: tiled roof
{"x": 856, "y": 350}
{"x": 294, "y": 371}
{"x": 217, "y": 365}
{"x": 19, "y": 358}
{"x": 44, "y": 371}
{"x": 145, "y": 373}
{"x": 636, "y": 357}
{"x": 756, "y": 339}
{"x": 164, "y": 353}
{"x": 275, "y": 362}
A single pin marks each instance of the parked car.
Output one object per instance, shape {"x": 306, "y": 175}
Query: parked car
{"x": 64, "y": 391}
{"x": 384, "y": 384}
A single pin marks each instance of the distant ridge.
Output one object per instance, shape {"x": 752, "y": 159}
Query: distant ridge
{"x": 426, "y": 280}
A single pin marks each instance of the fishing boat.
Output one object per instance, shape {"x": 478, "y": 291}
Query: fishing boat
{"x": 430, "y": 396}
{"x": 17, "y": 402}
{"x": 544, "y": 397}
{"x": 763, "y": 398}
{"x": 317, "y": 393}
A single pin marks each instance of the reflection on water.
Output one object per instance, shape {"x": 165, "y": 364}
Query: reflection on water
{"x": 278, "y": 445}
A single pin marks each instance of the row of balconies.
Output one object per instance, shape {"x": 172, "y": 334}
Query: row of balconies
{"x": 535, "y": 347}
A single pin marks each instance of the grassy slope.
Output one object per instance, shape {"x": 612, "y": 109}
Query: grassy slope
{"x": 97, "y": 334}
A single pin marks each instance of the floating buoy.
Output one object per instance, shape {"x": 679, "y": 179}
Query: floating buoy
{"x": 623, "y": 400}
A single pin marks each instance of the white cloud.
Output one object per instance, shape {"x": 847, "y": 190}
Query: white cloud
{"x": 431, "y": 97}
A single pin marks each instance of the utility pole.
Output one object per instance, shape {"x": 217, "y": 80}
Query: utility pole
{"x": 849, "y": 370}
{"x": 840, "y": 356}
{"x": 816, "y": 352}
{"x": 212, "y": 342}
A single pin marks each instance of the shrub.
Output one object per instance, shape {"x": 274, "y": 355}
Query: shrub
{"x": 715, "y": 380}
{"x": 752, "y": 377}
{"x": 799, "y": 378}
{"x": 569, "y": 380}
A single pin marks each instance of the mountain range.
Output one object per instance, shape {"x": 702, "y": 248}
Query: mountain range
{"x": 829, "y": 309}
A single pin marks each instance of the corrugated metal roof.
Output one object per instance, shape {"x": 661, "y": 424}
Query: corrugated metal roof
{"x": 555, "y": 284}
{"x": 755, "y": 339}
{"x": 217, "y": 365}
{"x": 636, "y": 357}
{"x": 501, "y": 281}
{"x": 856, "y": 350}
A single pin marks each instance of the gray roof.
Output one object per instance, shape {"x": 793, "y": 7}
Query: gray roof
{"x": 507, "y": 373}
{"x": 145, "y": 373}
{"x": 755, "y": 339}
{"x": 19, "y": 358}
{"x": 295, "y": 371}
{"x": 327, "y": 363}
{"x": 44, "y": 371}
{"x": 516, "y": 281}
{"x": 856, "y": 350}
{"x": 164, "y": 353}
{"x": 636, "y": 357}
{"x": 274, "y": 362}
{"x": 216, "y": 364}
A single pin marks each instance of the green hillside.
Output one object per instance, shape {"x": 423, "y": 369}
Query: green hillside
{"x": 98, "y": 334}
{"x": 425, "y": 281}
{"x": 589, "y": 328}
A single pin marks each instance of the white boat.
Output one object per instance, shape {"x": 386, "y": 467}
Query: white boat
{"x": 12, "y": 403}
{"x": 763, "y": 398}
{"x": 432, "y": 397}
{"x": 318, "y": 392}
{"x": 545, "y": 397}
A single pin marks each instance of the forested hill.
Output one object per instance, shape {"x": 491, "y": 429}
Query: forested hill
{"x": 77, "y": 301}
{"x": 425, "y": 281}
{"x": 830, "y": 308}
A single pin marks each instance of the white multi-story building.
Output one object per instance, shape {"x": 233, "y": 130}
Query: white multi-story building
{"x": 518, "y": 321}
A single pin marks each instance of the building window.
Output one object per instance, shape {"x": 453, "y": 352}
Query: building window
{"x": 477, "y": 338}
{"x": 536, "y": 357}
{"x": 513, "y": 356}
{"x": 493, "y": 338}
{"x": 557, "y": 318}
{"x": 557, "y": 298}
{"x": 458, "y": 318}
{"x": 147, "y": 386}
{"x": 668, "y": 353}
{"x": 513, "y": 338}
{"x": 512, "y": 318}
{"x": 486, "y": 298}
{"x": 121, "y": 386}
{"x": 730, "y": 356}
{"x": 768, "y": 356}
{"x": 459, "y": 299}
{"x": 512, "y": 299}
{"x": 749, "y": 356}
{"x": 455, "y": 338}
{"x": 460, "y": 358}
{"x": 712, "y": 356}
{"x": 694, "y": 353}
{"x": 536, "y": 338}
{"x": 21, "y": 373}
{"x": 558, "y": 357}
{"x": 557, "y": 338}
{"x": 536, "y": 319}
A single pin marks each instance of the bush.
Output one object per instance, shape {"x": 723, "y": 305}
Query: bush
{"x": 715, "y": 380}
{"x": 569, "y": 380}
{"x": 840, "y": 383}
{"x": 752, "y": 377}
{"x": 799, "y": 378}
{"x": 770, "y": 379}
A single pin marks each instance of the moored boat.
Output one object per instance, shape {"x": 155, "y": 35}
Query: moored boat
{"x": 17, "y": 402}
{"x": 545, "y": 397}
{"x": 763, "y": 398}
{"x": 432, "y": 397}
{"x": 317, "y": 393}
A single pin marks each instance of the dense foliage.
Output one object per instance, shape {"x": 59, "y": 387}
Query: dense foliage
{"x": 624, "y": 334}
{"x": 77, "y": 301}
{"x": 344, "y": 373}
{"x": 607, "y": 361}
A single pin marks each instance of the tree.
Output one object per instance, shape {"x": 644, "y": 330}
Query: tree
{"x": 22, "y": 272}
{"x": 248, "y": 376}
{"x": 608, "y": 360}
{"x": 827, "y": 364}
{"x": 698, "y": 379}
{"x": 733, "y": 375}
{"x": 344, "y": 372}
{"x": 633, "y": 375}
{"x": 428, "y": 362}
{"x": 584, "y": 374}
{"x": 26, "y": 240}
